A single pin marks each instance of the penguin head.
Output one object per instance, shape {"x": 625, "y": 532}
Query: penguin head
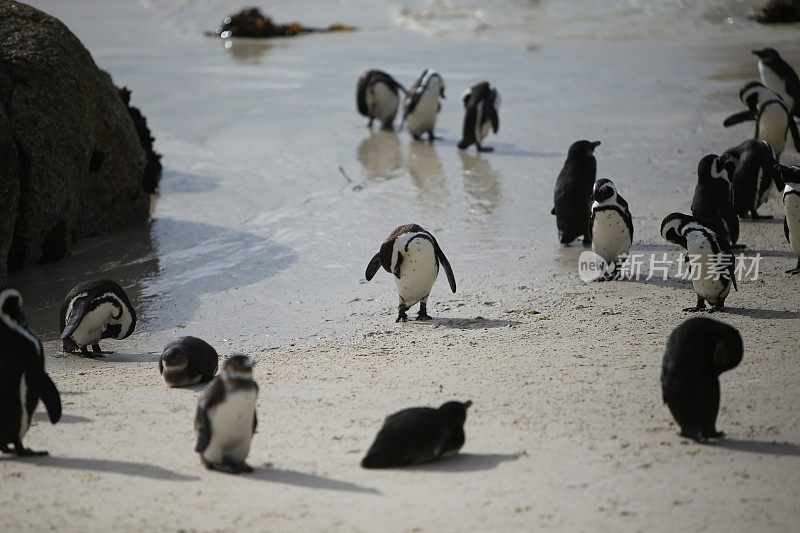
{"x": 174, "y": 358}
{"x": 11, "y": 306}
{"x": 238, "y": 367}
{"x": 713, "y": 167}
{"x": 455, "y": 412}
{"x": 729, "y": 350}
{"x": 672, "y": 226}
{"x": 767, "y": 55}
{"x": 604, "y": 189}
{"x": 582, "y": 149}
{"x": 434, "y": 81}
{"x": 749, "y": 93}
{"x": 789, "y": 174}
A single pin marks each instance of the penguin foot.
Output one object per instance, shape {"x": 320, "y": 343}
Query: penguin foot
{"x": 715, "y": 434}
{"x": 756, "y": 216}
{"x": 5, "y": 449}
{"x": 719, "y": 307}
{"x": 738, "y": 246}
{"x": 226, "y": 468}
{"x": 401, "y": 317}
{"x": 696, "y": 436}
{"x": 793, "y": 271}
{"x": 485, "y": 148}
{"x": 424, "y": 316}
{"x": 91, "y": 355}
{"x": 244, "y": 467}
{"x": 22, "y": 451}
{"x": 693, "y": 309}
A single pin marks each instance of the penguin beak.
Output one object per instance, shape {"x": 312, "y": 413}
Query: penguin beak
{"x": 467, "y": 404}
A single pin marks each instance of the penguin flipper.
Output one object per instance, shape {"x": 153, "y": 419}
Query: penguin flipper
{"x": 468, "y": 132}
{"x": 361, "y": 94}
{"x": 373, "y": 266}
{"x": 795, "y": 134}
{"x": 74, "y": 320}
{"x": 494, "y": 119}
{"x": 46, "y": 390}
{"x": 786, "y": 230}
{"x": 737, "y": 118}
{"x": 451, "y": 279}
{"x": 202, "y": 426}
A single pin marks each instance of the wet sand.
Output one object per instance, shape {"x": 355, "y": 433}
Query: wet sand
{"x": 258, "y": 244}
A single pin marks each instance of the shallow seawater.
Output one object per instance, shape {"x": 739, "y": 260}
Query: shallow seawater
{"x": 275, "y": 195}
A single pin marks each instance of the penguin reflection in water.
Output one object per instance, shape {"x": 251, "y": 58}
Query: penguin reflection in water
{"x": 23, "y": 380}
{"x": 93, "y": 311}
{"x": 413, "y": 256}
{"x": 418, "y": 435}
{"x": 226, "y": 417}
{"x": 698, "y": 351}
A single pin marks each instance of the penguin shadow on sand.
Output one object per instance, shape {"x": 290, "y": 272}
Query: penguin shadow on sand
{"x": 427, "y": 173}
{"x": 40, "y": 416}
{"x": 110, "y": 466}
{"x": 464, "y": 323}
{"x": 778, "y": 449}
{"x": 309, "y": 481}
{"x": 467, "y": 462}
{"x": 380, "y": 155}
{"x": 481, "y": 182}
{"x": 766, "y": 314}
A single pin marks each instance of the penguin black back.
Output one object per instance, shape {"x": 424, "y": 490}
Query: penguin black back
{"x": 573, "y": 192}
{"x": 480, "y": 113}
{"x": 188, "y": 361}
{"x": 418, "y": 435}
{"x": 753, "y": 175}
{"x": 697, "y": 352}
{"x": 779, "y": 76}
{"x": 712, "y": 204}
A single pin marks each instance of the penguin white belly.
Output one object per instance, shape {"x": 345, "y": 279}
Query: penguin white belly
{"x": 231, "y": 427}
{"x": 93, "y": 324}
{"x": 774, "y": 82}
{"x": 24, "y": 419}
{"x": 705, "y": 281}
{"x": 791, "y": 206}
{"x": 423, "y": 118}
{"x": 773, "y": 127}
{"x": 418, "y": 271}
{"x": 382, "y": 102}
{"x": 610, "y": 235}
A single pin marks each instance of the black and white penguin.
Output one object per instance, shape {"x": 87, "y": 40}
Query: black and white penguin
{"x": 412, "y": 254}
{"x": 612, "y": 225}
{"x": 187, "y": 361}
{"x": 377, "y": 97}
{"x": 753, "y": 175}
{"x": 422, "y": 104}
{"x": 226, "y": 417}
{"x": 418, "y": 435}
{"x": 573, "y": 193}
{"x": 779, "y": 76}
{"x": 23, "y": 380}
{"x": 712, "y": 204}
{"x": 95, "y": 310}
{"x": 753, "y": 94}
{"x": 791, "y": 208}
{"x": 481, "y": 102}
{"x": 698, "y": 351}
{"x": 710, "y": 259}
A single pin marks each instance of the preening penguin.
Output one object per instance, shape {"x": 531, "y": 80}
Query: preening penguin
{"x": 23, "y": 380}
{"x": 698, "y": 351}
{"x": 712, "y": 204}
{"x": 773, "y": 123}
{"x": 573, "y": 193}
{"x": 481, "y": 102}
{"x": 418, "y": 435}
{"x": 226, "y": 417}
{"x": 188, "y": 361}
{"x": 422, "y": 104}
{"x": 791, "y": 208}
{"x": 412, "y": 254}
{"x": 712, "y": 263}
{"x": 612, "y": 225}
{"x": 754, "y": 173}
{"x": 779, "y": 76}
{"x": 753, "y": 94}
{"x": 377, "y": 97}
{"x": 92, "y": 311}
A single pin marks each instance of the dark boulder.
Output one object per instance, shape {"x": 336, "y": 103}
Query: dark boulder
{"x": 71, "y": 161}
{"x": 251, "y": 23}
{"x": 779, "y": 12}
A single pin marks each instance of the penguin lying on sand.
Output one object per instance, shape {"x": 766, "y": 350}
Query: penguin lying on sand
{"x": 187, "y": 361}
{"x": 412, "y": 254}
{"x": 698, "y": 351}
{"x": 418, "y": 435}
{"x": 23, "y": 380}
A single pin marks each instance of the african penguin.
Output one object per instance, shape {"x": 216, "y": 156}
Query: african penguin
{"x": 612, "y": 225}
{"x": 226, "y": 417}
{"x": 418, "y": 435}
{"x": 95, "y": 310}
{"x": 753, "y": 174}
{"x": 573, "y": 193}
{"x": 698, "y": 351}
{"x": 23, "y": 380}
{"x": 422, "y": 104}
{"x": 712, "y": 203}
{"x": 791, "y": 208}
{"x": 412, "y": 254}
{"x": 779, "y": 76}
{"x": 711, "y": 262}
{"x": 753, "y": 94}
{"x": 377, "y": 97}
{"x": 480, "y": 103}
{"x": 188, "y": 361}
